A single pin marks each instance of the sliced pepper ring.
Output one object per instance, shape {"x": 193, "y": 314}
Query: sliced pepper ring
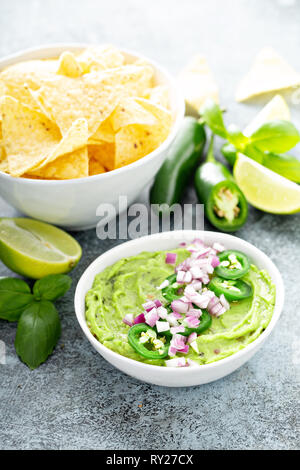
{"x": 134, "y": 335}
{"x": 233, "y": 289}
{"x": 205, "y": 323}
{"x": 232, "y": 272}
{"x": 170, "y": 292}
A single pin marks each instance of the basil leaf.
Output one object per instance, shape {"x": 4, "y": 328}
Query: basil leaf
{"x": 52, "y": 287}
{"x": 276, "y": 136}
{"x": 15, "y": 296}
{"x": 37, "y": 333}
{"x": 236, "y": 137}
{"x": 212, "y": 115}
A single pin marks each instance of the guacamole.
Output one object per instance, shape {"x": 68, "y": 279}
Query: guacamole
{"x": 123, "y": 287}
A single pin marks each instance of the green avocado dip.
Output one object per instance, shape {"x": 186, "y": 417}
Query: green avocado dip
{"x": 123, "y": 288}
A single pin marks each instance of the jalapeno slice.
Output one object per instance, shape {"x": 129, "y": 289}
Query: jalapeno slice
{"x": 231, "y": 288}
{"x": 170, "y": 292}
{"x": 205, "y": 322}
{"x": 141, "y": 330}
{"x": 233, "y": 264}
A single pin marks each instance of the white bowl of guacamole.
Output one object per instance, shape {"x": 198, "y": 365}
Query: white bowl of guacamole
{"x": 121, "y": 280}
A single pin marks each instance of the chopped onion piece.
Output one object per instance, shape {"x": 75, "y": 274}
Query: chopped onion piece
{"x": 171, "y": 258}
{"x": 140, "y": 319}
{"x": 162, "y": 326}
{"x": 151, "y": 317}
{"x": 164, "y": 284}
{"x": 192, "y": 337}
{"x": 179, "y": 306}
{"x": 128, "y": 319}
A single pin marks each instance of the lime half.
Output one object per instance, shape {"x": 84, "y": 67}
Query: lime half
{"x": 35, "y": 249}
{"x": 265, "y": 189}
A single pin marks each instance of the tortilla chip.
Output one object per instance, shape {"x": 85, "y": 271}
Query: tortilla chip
{"x": 30, "y": 138}
{"x": 69, "y": 66}
{"x": 95, "y": 167}
{"x": 68, "y": 166}
{"x": 269, "y": 72}
{"x": 197, "y": 83}
{"x": 93, "y": 96}
{"x": 128, "y": 112}
{"x": 17, "y": 79}
{"x": 158, "y": 95}
{"x": 104, "y": 154}
{"x": 163, "y": 116}
{"x": 3, "y": 159}
{"x": 75, "y": 138}
{"x": 136, "y": 141}
{"x": 104, "y": 133}
{"x": 97, "y": 58}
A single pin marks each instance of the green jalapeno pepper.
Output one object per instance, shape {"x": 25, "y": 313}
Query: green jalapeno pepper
{"x": 134, "y": 336}
{"x": 170, "y": 292}
{"x": 283, "y": 164}
{"x": 205, "y": 323}
{"x": 233, "y": 289}
{"x": 225, "y": 204}
{"x": 233, "y": 264}
{"x": 182, "y": 159}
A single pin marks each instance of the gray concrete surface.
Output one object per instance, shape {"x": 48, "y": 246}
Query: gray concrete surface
{"x": 76, "y": 399}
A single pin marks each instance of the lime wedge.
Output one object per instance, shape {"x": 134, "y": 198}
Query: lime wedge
{"x": 265, "y": 189}
{"x": 35, "y": 249}
{"x": 277, "y": 108}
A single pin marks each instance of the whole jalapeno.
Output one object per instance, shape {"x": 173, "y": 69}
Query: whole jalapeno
{"x": 181, "y": 161}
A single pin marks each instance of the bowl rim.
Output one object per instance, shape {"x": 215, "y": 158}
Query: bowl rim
{"x": 79, "y": 300}
{"x": 57, "y": 48}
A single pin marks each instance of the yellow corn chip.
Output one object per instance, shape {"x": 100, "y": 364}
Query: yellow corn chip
{"x": 95, "y": 167}
{"x": 30, "y": 139}
{"x": 269, "y": 72}
{"x": 104, "y": 133}
{"x": 163, "y": 115}
{"x": 197, "y": 84}
{"x": 97, "y": 58}
{"x": 128, "y": 112}
{"x": 68, "y": 166}
{"x": 16, "y": 79}
{"x": 69, "y": 66}
{"x": 104, "y": 154}
{"x": 158, "y": 95}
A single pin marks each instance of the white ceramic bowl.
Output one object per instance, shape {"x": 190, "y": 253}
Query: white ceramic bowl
{"x": 73, "y": 203}
{"x": 177, "y": 377}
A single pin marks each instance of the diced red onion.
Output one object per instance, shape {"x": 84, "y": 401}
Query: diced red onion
{"x": 164, "y": 284}
{"x": 151, "y": 317}
{"x": 171, "y": 258}
{"x": 172, "y": 320}
{"x": 194, "y": 312}
{"x": 192, "y": 337}
{"x": 157, "y": 303}
{"x": 149, "y": 305}
{"x": 128, "y": 319}
{"x": 216, "y": 308}
{"x": 177, "y": 329}
{"x": 197, "y": 285}
{"x": 162, "y": 326}
{"x": 224, "y": 302}
{"x": 192, "y": 322}
{"x": 179, "y": 306}
{"x": 218, "y": 247}
{"x": 215, "y": 261}
{"x": 140, "y": 319}
{"x": 162, "y": 312}
{"x": 176, "y": 315}
{"x": 180, "y": 277}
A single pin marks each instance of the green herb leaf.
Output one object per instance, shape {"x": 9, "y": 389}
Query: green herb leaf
{"x": 236, "y": 137}
{"x": 212, "y": 115}
{"x": 37, "y": 333}
{"x": 52, "y": 287}
{"x": 276, "y": 136}
{"x": 15, "y": 296}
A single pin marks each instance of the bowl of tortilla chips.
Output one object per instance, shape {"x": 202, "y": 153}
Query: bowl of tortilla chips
{"x": 80, "y": 126}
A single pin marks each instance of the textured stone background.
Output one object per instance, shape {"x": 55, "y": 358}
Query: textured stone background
{"x": 76, "y": 399}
